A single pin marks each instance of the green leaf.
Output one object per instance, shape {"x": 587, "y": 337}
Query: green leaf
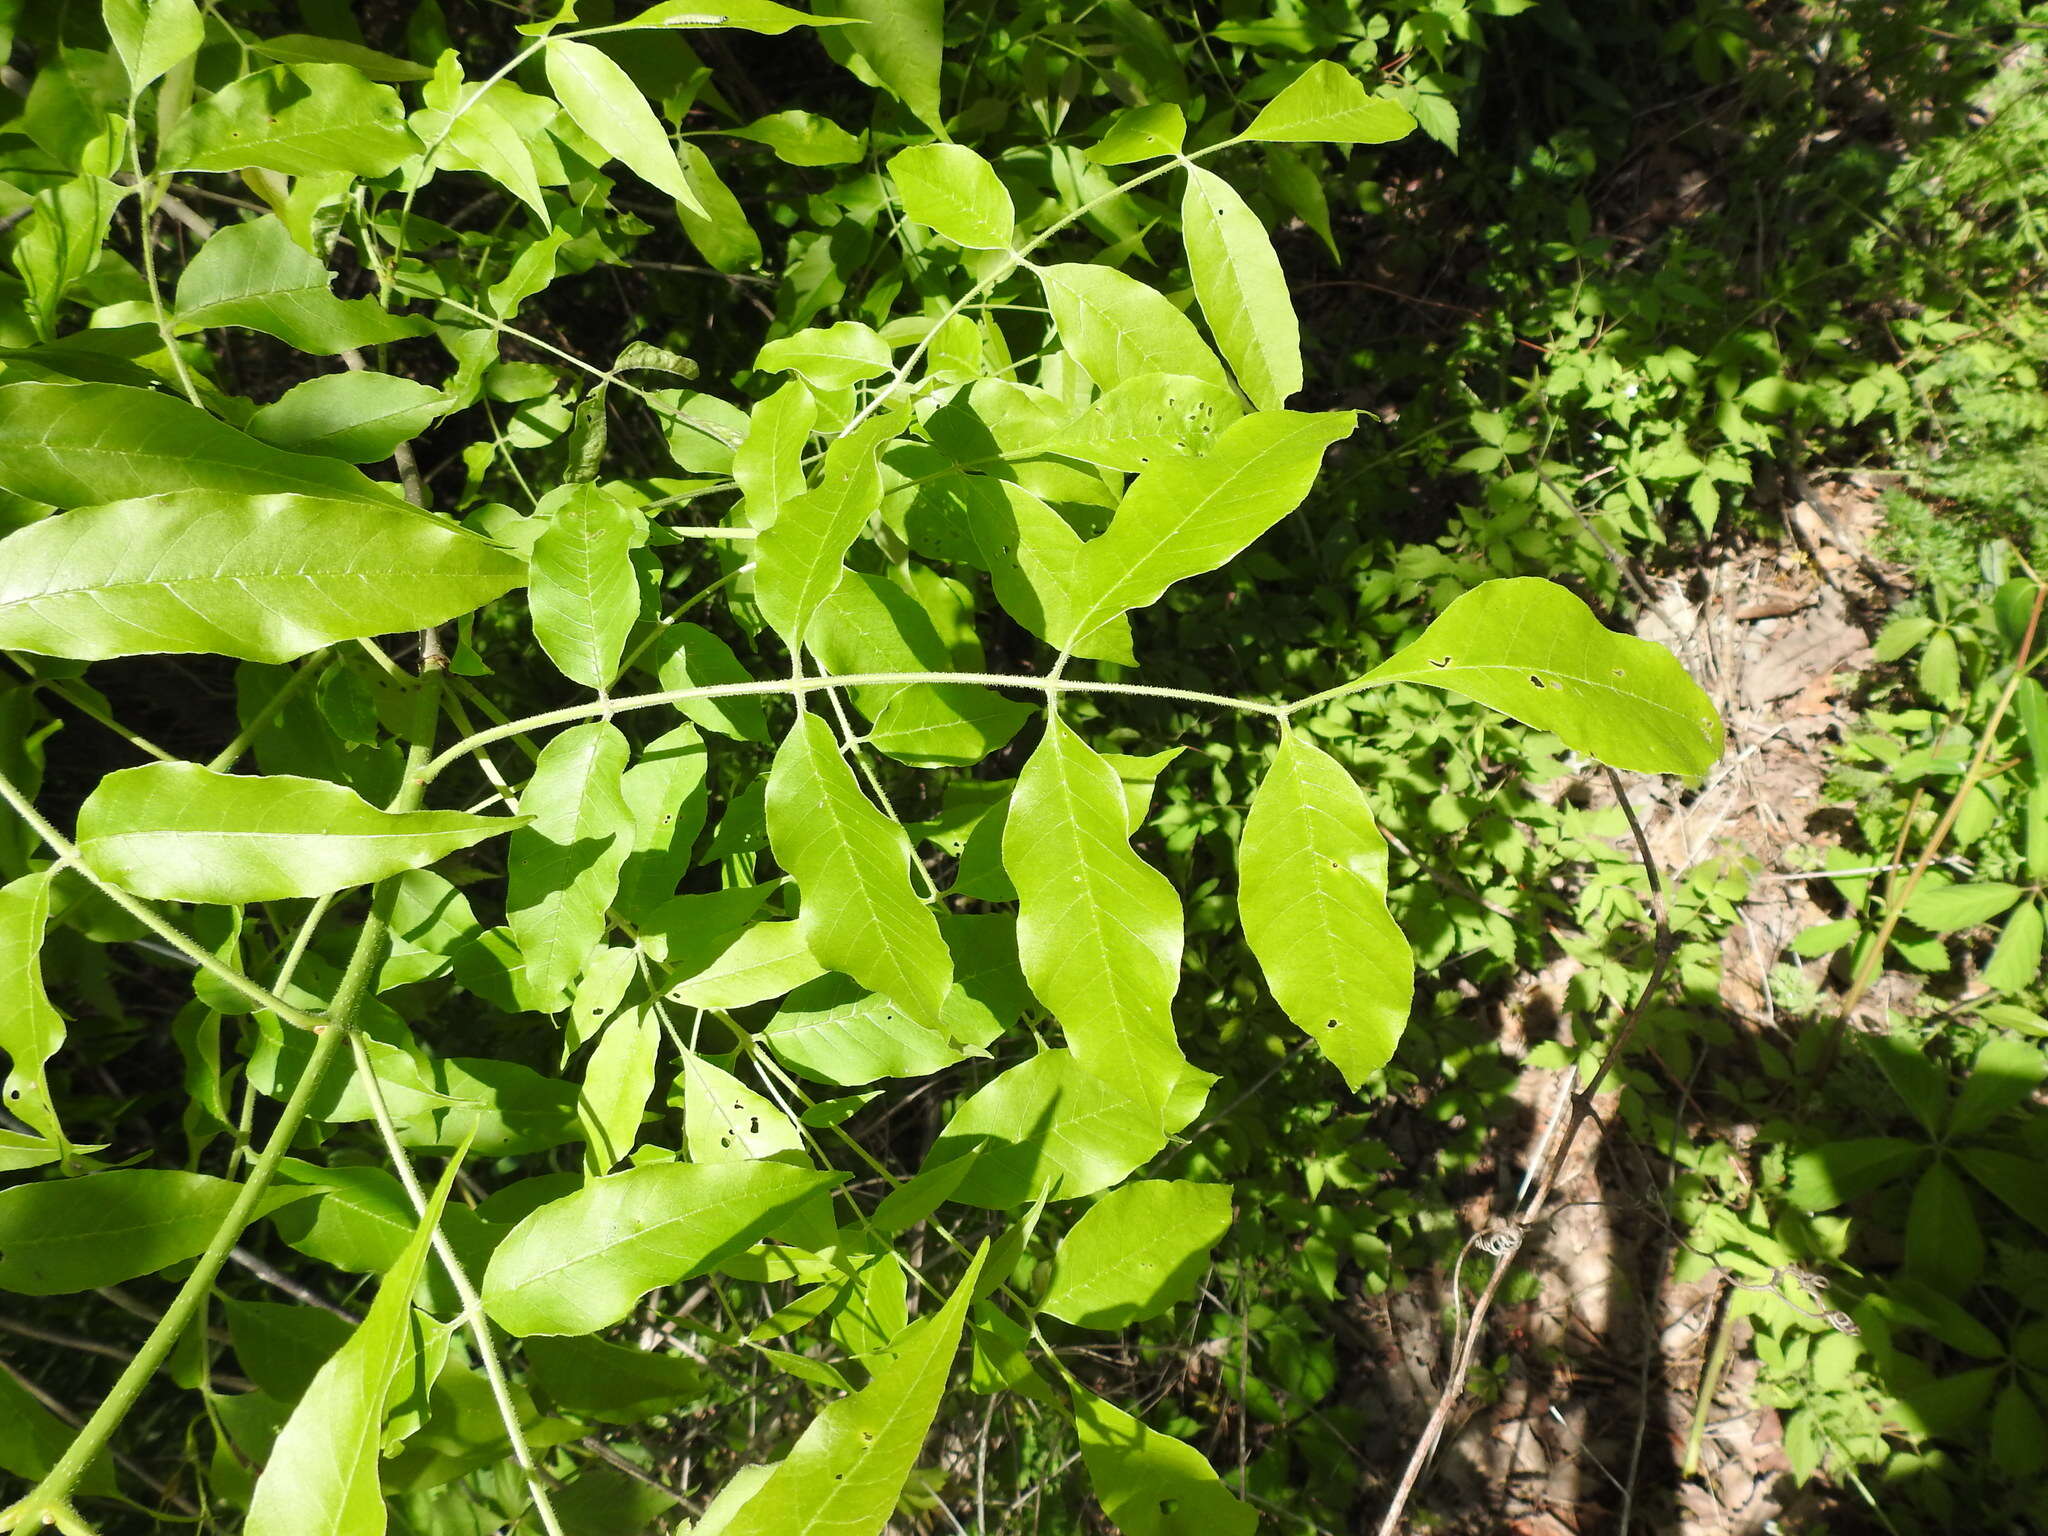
{"x": 180, "y": 832}
{"x": 1186, "y": 516}
{"x": 851, "y": 862}
{"x": 1838, "y": 1171}
{"x": 1148, "y": 419}
{"x": 60, "y": 244}
{"x": 64, "y": 1235}
{"x": 768, "y": 464}
{"x": 497, "y": 130}
{"x": 610, "y": 1382}
{"x": 360, "y": 417}
{"x": 901, "y": 42}
{"x": 1139, "y": 1251}
{"x": 153, "y": 36}
{"x": 802, "y": 138}
{"x": 721, "y": 232}
{"x": 603, "y": 101}
{"x": 304, "y": 48}
{"x": 797, "y": 559}
{"x": 582, "y": 590}
{"x": 768, "y": 960}
{"x": 1533, "y": 651}
{"x": 1312, "y": 880}
{"x": 1942, "y": 907}
{"x": 581, "y": 1263}
{"x": 563, "y": 868}
{"x": 1118, "y": 328}
{"x": 725, "y": 1121}
{"x": 255, "y": 276}
{"x": 2016, "y": 1180}
{"x": 1151, "y": 1484}
{"x": 1327, "y": 104}
{"x": 831, "y": 357}
{"x": 763, "y": 16}
{"x": 617, "y": 1082}
{"x": 666, "y": 798}
{"x": 31, "y": 1030}
{"x": 1944, "y": 1245}
{"x": 690, "y": 656}
{"x": 869, "y": 624}
{"x": 1142, "y": 133}
{"x": 1242, "y": 290}
{"x": 833, "y": 1030}
{"x": 2016, "y": 963}
{"x": 323, "y": 1472}
{"x": 1046, "y": 1126}
{"x": 949, "y": 188}
{"x": 1098, "y": 929}
{"x": 297, "y": 120}
{"x": 265, "y": 578}
{"x": 77, "y": 445}
{"x": 846, "y": 1471}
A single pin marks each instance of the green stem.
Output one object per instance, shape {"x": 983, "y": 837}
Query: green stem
{"x": 267, "y": 711}
{"x": 49, "y": 1502}
{"x": 67, "y": 853}
{"x": 810, "y": 685}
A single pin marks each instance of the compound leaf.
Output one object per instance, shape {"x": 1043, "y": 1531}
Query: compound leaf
{"x": 180, "y": 832}
{"x": 1312, "y": 880}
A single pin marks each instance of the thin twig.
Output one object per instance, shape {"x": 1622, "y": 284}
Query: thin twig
{"x": 1503, "y": 1239}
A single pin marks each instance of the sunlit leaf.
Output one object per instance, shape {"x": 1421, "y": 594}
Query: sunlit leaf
{"x": 563, "y": 868}
{"x": 297, "y": 120}
{"x": 254, "y": 275}
{"x": 31, "y": 1030}
{"x": 1532, "y": 650}
{"x": 180, "y": 832}
{"x": 1139, "y": 1251}
{"x": 1151, "y": 1484}
{"x": 580, "y": 1263}
{"x": 1312, "y": 881}
{"x": 1327, "y": 104}
{"x": 900, "y": 41}
{"x": 581, "y": 587}
{"x": 1242, "y": 290}
{"x": 603, "y": 101}
{"x": 322, "y": 1475}
{"x": 844, "y": 1473}
{"x": 1098, "y": 929}
{"x": 798, "y": 559}
{"x": 360, "y": 417}
{"x": 77, "y": 445}
{"x": 1117, "y": 328}
{"x": 951, "y": 189}
{"x": 860, "y": 915}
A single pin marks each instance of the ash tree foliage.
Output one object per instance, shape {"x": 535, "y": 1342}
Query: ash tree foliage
{"x": 629, "y": 957}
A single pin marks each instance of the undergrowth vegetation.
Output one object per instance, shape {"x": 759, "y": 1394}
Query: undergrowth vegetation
{"x": 775, "y": 770}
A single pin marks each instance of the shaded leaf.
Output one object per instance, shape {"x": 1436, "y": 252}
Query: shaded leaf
{"x": 361, "y": 417}
{"x": 581, "y": 587}
{"x": 563, "y": 867}
{"x": 63, "y": 1235}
